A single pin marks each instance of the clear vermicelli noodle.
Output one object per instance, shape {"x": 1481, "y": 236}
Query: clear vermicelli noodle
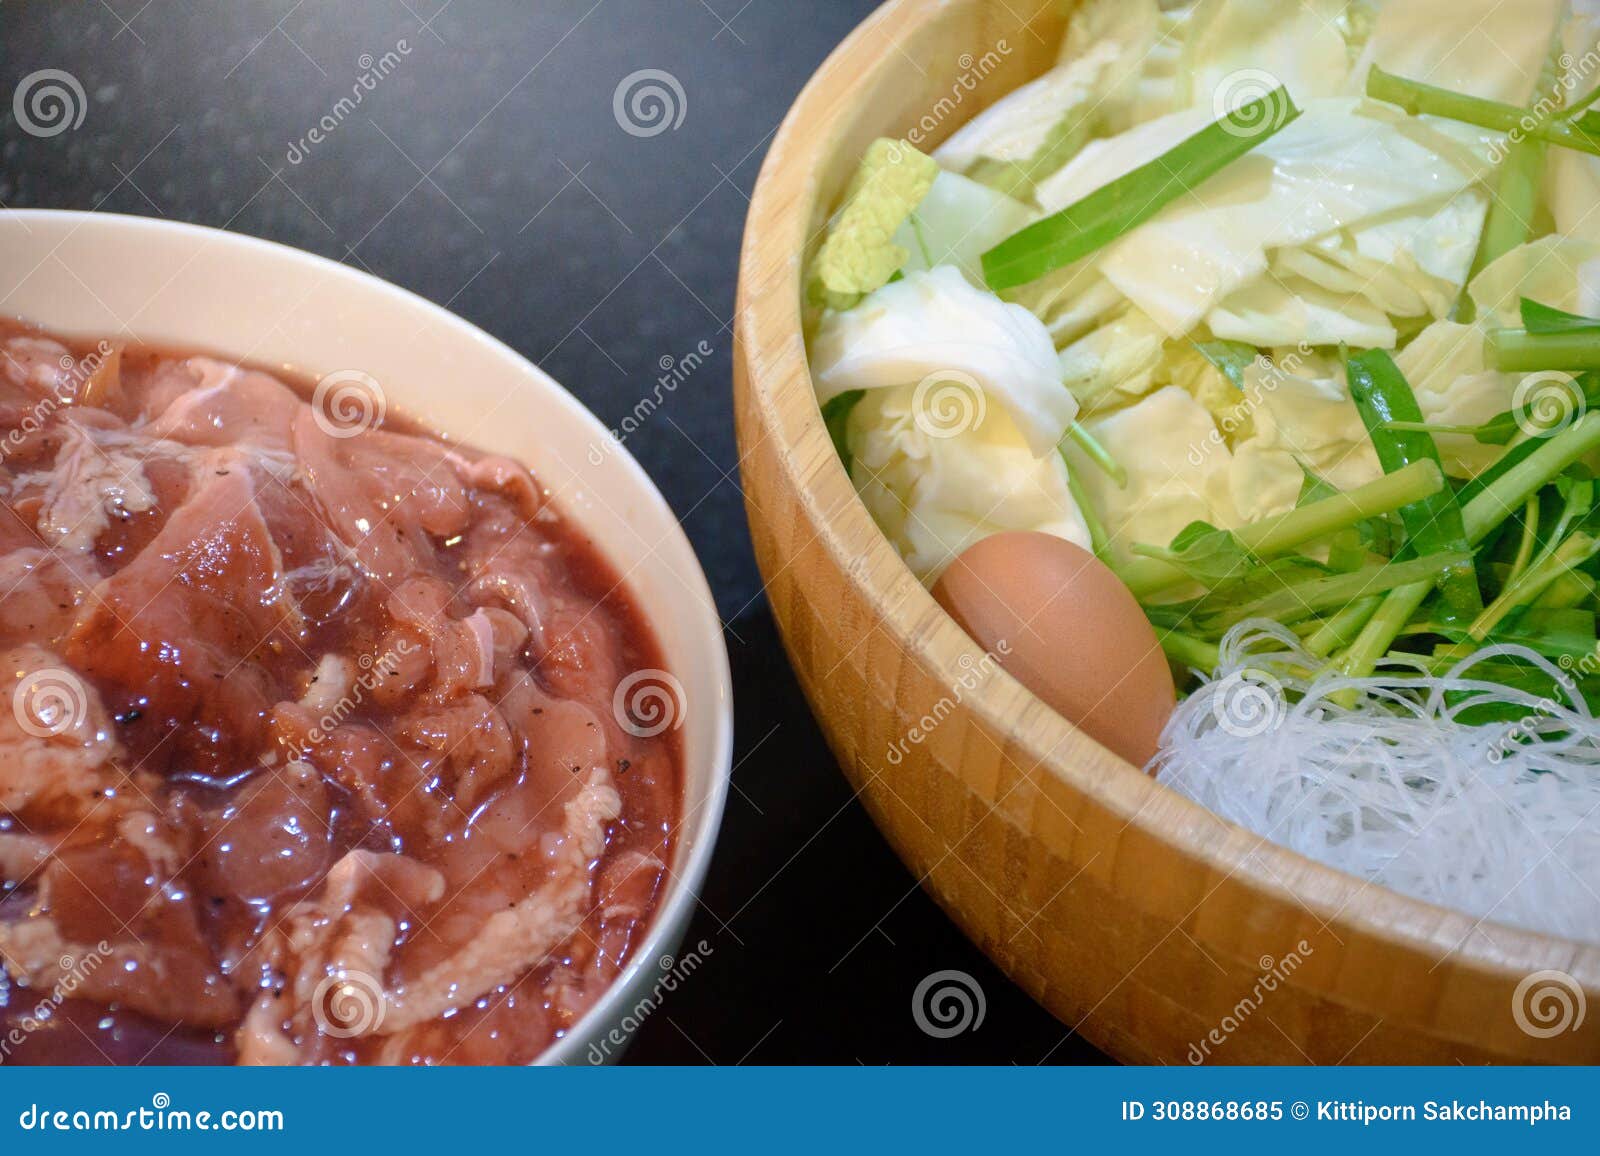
{"x": 1393, "y": 786}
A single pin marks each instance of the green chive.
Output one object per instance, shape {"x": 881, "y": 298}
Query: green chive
{"x": 1132, "y": 199}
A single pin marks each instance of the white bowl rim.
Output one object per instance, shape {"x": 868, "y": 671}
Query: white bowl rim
{"x": 697, "y": 844}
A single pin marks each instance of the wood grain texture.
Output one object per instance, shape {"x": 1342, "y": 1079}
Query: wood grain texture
{"x": 1138, "y": 918}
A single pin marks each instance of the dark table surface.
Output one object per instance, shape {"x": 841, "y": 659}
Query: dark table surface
{"x": 489, "y": 170}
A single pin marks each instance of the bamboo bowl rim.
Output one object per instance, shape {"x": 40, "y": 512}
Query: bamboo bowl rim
{"x": 771, "y": 343}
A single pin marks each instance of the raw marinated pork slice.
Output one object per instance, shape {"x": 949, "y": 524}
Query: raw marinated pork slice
{"x": 314, "y": 753}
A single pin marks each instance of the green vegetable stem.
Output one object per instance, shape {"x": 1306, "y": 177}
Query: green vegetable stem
{"x": 1268, "y": 537}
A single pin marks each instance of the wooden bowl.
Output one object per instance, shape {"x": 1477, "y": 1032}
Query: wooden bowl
{"x": 1159, "y": 931}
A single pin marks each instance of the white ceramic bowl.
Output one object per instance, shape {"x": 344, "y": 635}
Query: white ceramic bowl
{"x": 97, "y": 274}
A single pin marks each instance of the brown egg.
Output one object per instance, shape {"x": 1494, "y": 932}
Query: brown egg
{"x": 1065, "y": 626}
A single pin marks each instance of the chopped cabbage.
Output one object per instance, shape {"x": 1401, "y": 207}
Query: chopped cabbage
{"x": 935, "y": 495}
{"x": 1141, "y": 84}
{"x": 1071, "y": 301}
{"x": 1033, "y": 130}
{"x": 1550, "y": 271}
{"x": 859, "y": 253}
{"x": 1115, "y": 362}
{"x": 1347, "y": 286}
{"x": 1283, "y": 311}
{"x": 1355, "y": 226}
{"x": 1241, "y": 49}
{"x": 1302, "y": 422}
{"x": 1453, "y": 385}
{"x": 1340, "y": 166}
{"x": 1185, "y": 366}
{"x": 956, "y": 222}
{"x": 1177, "y": 464}
{"x": 933, "y": 325}
{"x": 1573, "y": 189}
{"x": 1411, "y": 266}
{"x": 1495, "y": 49}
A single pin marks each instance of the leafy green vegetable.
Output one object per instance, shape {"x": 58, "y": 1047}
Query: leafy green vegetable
{"x": 1546, "y": 319}
{"x": 1433, "y": 524}
{"x": 1378, "y": 535}
{"x": 1490, "y": 504}
{"x": 1186, "y": 650}
{"x": 1342, "y": 628}
{"x": 1529, "y": 538}
{"x": 1565, "y": 549}
{"x": 1130, "y": 200}
{"x": 1550, "y": 339}
{"x": 1552, "y": 633}
{"x": 1098, "y": 538}
{"x": 1502, "y": 466}
{"x": 836, "y": 416}
{"x": 1269, "y": 537}
{"x": 1231, "y": 358}
{"x": 1204, "y": 553}
{"x": 1301, "y": 599}
{"x": 1526, "y": 468}
{"x": 1577, "y": 107}
{"x": 859, "y": 254}
{"x": 1261, "y": 580}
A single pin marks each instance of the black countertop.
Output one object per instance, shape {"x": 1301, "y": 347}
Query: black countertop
{"x": 485, "y": 167}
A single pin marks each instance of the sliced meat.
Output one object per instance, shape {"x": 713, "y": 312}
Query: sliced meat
{"x": 108, "y": 900}
{"x": 224, "y": 405}
{"x": 312, "y": 755}
{"x": 56, "y": 747}
{"x": 184, "y": 641}
{"x": 387, "y": 496}
{"x": 523, "y": 935}
{"x": 89, "y": 486}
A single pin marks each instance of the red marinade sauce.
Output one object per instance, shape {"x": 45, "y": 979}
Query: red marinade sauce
{"x": 326, "y": 741}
